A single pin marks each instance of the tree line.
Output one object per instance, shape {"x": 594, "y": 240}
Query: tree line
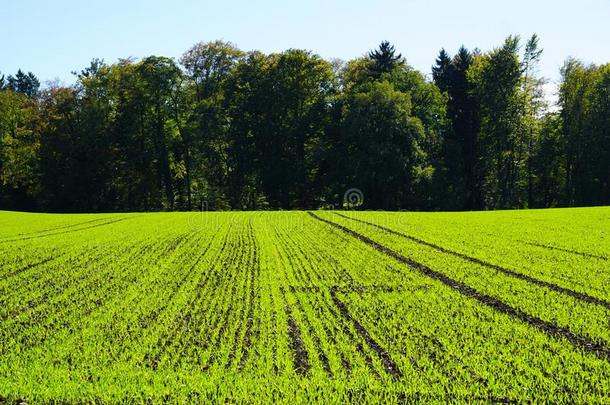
{"x": 248, "y": 130}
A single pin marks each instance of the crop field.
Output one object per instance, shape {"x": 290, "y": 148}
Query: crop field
{"x": 302, "y": 307}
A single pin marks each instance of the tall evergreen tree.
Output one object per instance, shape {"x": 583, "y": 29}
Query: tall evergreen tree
{"x": 460, "y": 157}
{"x": 384, "y": 59}
{"x": 27, "y": 84}
{"x": 465, "y": 116}
{"x": 442, "y": 72}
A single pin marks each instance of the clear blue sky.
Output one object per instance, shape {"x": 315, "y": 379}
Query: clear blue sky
{"x": 52, "y": 38}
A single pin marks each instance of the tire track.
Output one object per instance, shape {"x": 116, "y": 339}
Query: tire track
{"x": 532, "y": 280}
{"x": 70, "y": 231}
{"x": 300, "y": 356}
{"x": 433, "y": 350}
{"x": 549, "y": 328}
{"x": 340, "y": 320}
{"x": 252, "y": 302}
{"x": 316, "y": 339}
{"x": 575, "y": 252}
{"x": 60, "y": 227}
{"x": 303, "y": 274}
{"x": 389, "y": 365}
{"x": 304, "y": 277}
{"x": 30, "y": 266}
{"x": 321, "y": 306}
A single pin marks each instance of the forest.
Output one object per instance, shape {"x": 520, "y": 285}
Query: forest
{"x": 224, "y": 129}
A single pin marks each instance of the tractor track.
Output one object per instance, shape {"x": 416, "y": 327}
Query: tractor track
{"x": 551, "y": 286}
{"x": 581, "y": 342}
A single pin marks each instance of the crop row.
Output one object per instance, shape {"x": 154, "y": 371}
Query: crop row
{"x": 302, "y": 306}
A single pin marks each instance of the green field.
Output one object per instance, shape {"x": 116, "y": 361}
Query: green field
{"x": 306, "y": 307}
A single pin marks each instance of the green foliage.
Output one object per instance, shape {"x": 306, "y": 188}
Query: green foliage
{"x": 496, "y": 80}
{"x": 208, "y": 65}
{"x": 355, "y": 73}
{"x": 585, "y": 107}
{"x": 384, "y": 59}
{"x": 383, "y": 144}
{"x": 442, "y": 72}
{"x": 549, "y": 164}
{"x": 24, "y": 83}
{"x": 232, "y": 130}
{"x": 19, "y": 149}
{"x": 459, "y": 161}
{"x": 277, "y": 107}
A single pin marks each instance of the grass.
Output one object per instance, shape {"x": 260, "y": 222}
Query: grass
{"x": 302, "y": 307}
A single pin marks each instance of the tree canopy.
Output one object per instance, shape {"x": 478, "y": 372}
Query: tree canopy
{"x": 227, "y": 129}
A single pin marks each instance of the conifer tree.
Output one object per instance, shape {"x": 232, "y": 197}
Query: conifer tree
{"x": 384, "y": 59}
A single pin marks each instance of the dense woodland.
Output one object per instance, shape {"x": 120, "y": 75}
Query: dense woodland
{"x": 229, "y": 129}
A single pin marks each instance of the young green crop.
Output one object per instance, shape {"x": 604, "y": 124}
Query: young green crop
{"x": 305, "y": 307}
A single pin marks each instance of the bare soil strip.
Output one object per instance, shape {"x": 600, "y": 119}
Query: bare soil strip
{"x": 554, "y": 287}
{"x": 356, "y": 341}
{"x": 578, "y": 341}
{"x": 316, "y": 339}
{"x": 252, "y": 301}
{"x": 317, "y": 304}
{"x": 389, "y": 365}
{"x": 303, "y": 288}
{"x": 301, "y": 357}
{"x": 356, "y": 289}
